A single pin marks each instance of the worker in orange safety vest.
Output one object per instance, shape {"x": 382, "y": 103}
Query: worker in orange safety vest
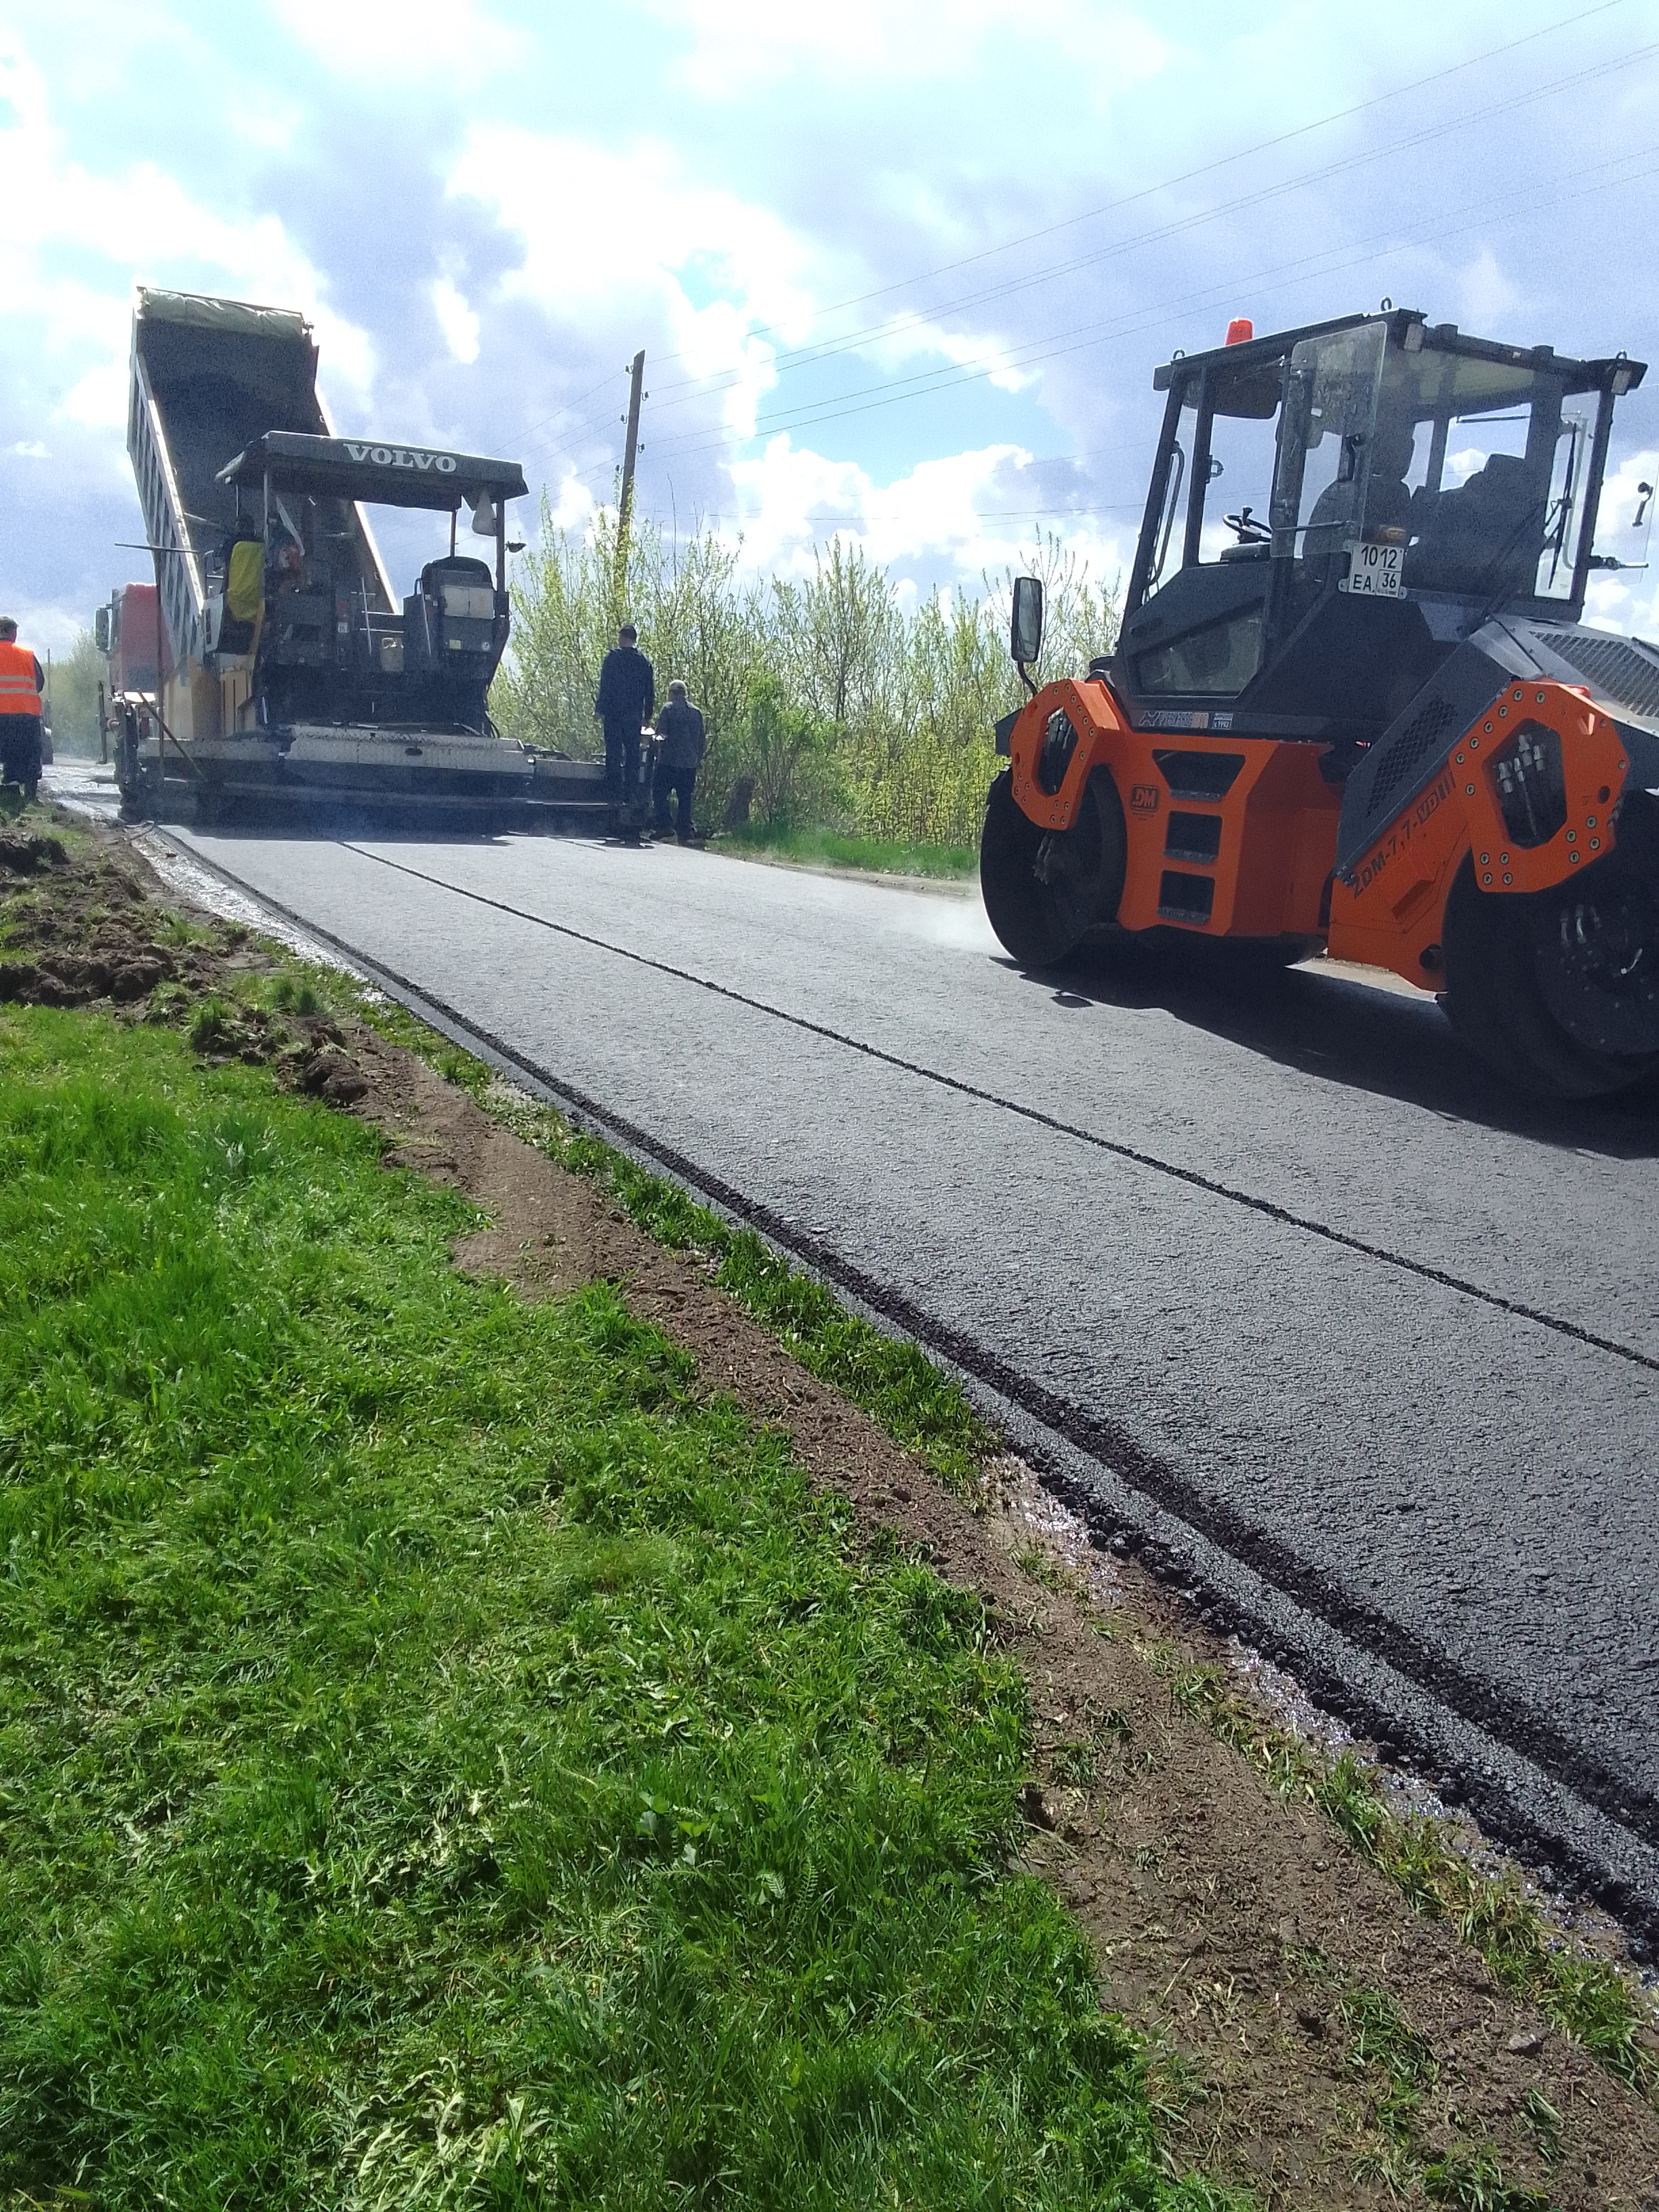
{"x": 22, "y": 683}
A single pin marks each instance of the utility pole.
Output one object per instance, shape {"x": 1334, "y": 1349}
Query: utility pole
{"x": 635, "y": 379}
{"x": 630, "y": 451}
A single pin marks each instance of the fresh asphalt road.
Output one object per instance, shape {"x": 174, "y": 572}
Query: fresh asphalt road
{"x": 1367, "y": 1348}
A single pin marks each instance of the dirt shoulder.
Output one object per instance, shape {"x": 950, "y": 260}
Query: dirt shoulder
{"x": 1231, "y": 1927}
{"x": 1315, "y": 2039}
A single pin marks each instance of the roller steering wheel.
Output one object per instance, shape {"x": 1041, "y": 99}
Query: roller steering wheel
{"x": 1248, "y": 528}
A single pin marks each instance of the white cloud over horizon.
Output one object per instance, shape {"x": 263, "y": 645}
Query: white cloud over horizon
{"x": 485, "y": 210}
{"x": 122, "y": 230}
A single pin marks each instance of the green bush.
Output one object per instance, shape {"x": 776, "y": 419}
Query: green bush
{"x": 847, "y": 712}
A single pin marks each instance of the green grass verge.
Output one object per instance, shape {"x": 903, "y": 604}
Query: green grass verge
{"x": 917, "y": 1404}
{"x": 1584, "y": 1994}
{"x": 444, "y": 1762}
{"x": 890, "y": 1378}
{"x": 881, "y": 856}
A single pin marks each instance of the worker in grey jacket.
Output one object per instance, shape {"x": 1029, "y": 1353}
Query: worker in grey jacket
{"x": 682, "y": 742}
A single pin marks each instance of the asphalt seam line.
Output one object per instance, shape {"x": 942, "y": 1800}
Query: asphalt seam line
{"x": 1191, "y": 1176}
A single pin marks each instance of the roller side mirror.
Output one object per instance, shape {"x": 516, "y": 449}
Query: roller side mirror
{"x": 1025, "y": 629}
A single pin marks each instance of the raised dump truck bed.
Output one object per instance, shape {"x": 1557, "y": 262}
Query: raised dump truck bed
{"x": 293, "y": 672}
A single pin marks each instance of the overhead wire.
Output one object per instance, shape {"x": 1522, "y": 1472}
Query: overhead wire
{"x": 1592, "y": 181}
{"x": 926, "y": 384}
{"x": 1032, "y": 353}
{"x": 1196, "y": 220}
{"x": 848, "y": 341}
{"x": 1203, "y": 169}
{"x": 568, "y": 407}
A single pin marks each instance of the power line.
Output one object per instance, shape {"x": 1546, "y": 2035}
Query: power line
{"x": 928, "y": 383}
{"x": 1206, "y": 168}
{"x": 568, "y": 407}
{"x": 990, "y": 516}
{"x": 827, "y": 348}
{"x": 1176, "y": 226}
{"x": 1591, "y": 182}
{"x": 886, "y": 391}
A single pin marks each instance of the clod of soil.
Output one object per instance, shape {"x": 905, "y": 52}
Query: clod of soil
{"x": 95, "y": 927}
{"x": 88, "y": 927}
{"x": 325, "y": 1071}
{"x": 27, "y": 852}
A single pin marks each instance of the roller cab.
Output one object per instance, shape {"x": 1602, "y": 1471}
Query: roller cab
{"x": 1353, "y": 703}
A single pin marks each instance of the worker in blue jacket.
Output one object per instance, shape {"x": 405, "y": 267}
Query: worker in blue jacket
{"x": 628, "y": 692}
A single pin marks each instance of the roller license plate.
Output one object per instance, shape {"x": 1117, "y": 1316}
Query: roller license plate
{"x": 1376, "y": 571}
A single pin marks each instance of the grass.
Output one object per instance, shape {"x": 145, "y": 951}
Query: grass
{"x": 880, "y": 856}
{"x": 1584, "y": 1996}
{"x": 443, "y": 1760}
{"x": 890, "y": 1378}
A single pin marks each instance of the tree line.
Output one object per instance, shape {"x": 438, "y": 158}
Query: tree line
{"x": 836, "y": 705}
{"x": 72, "y": 681}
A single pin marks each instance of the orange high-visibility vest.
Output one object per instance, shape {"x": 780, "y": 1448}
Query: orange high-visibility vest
{"x": 17, "y": 693}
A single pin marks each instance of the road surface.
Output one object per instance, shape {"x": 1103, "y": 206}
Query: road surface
{"x": 1360, "y": 1348}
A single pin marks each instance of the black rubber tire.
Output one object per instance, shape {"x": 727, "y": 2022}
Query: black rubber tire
{"x": 1596, "y": 942}
{"x": 1042, "y": 917}
{"x": 1494, "y": 1002}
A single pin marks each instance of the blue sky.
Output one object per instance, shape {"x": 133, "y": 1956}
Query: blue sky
{"x": 901, "y": 271}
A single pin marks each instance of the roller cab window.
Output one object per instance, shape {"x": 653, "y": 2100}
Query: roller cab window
{"x": 1199, "y": 629}
{"x": 1358, "y": 495}
{"x": 1418, "y": 466}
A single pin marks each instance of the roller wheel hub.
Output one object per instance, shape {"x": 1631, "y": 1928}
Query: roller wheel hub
{"x": 1044, "y": 889}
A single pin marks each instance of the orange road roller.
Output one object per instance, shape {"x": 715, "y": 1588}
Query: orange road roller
{"x": 1353, "y": 703}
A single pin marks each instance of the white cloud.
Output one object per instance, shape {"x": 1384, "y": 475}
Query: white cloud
{"x": 395, "y": 42}
{"x": 735, "y": 44}
{"x": 141, "y": 225}
{"x": 1627, "y": 601}
{"x": 1487, "y": 300}
{"x": 972, "y": 512}
{"x": 31, "y": 449}
{"x": 45, "y": 628}
{"x": 605, "y": 234}
{"x": 455, "y": 319}
{"x": 573, "y": 509}
{"x": 910, "y": 336}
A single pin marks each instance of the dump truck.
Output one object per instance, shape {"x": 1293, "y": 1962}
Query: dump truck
{"x": 1354, "y": 704}
{"x": 282, "y": 667}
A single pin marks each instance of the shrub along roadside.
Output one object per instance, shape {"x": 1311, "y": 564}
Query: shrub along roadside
{"x": 445, "y": 1760}
{"x": 839, "y": 705}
